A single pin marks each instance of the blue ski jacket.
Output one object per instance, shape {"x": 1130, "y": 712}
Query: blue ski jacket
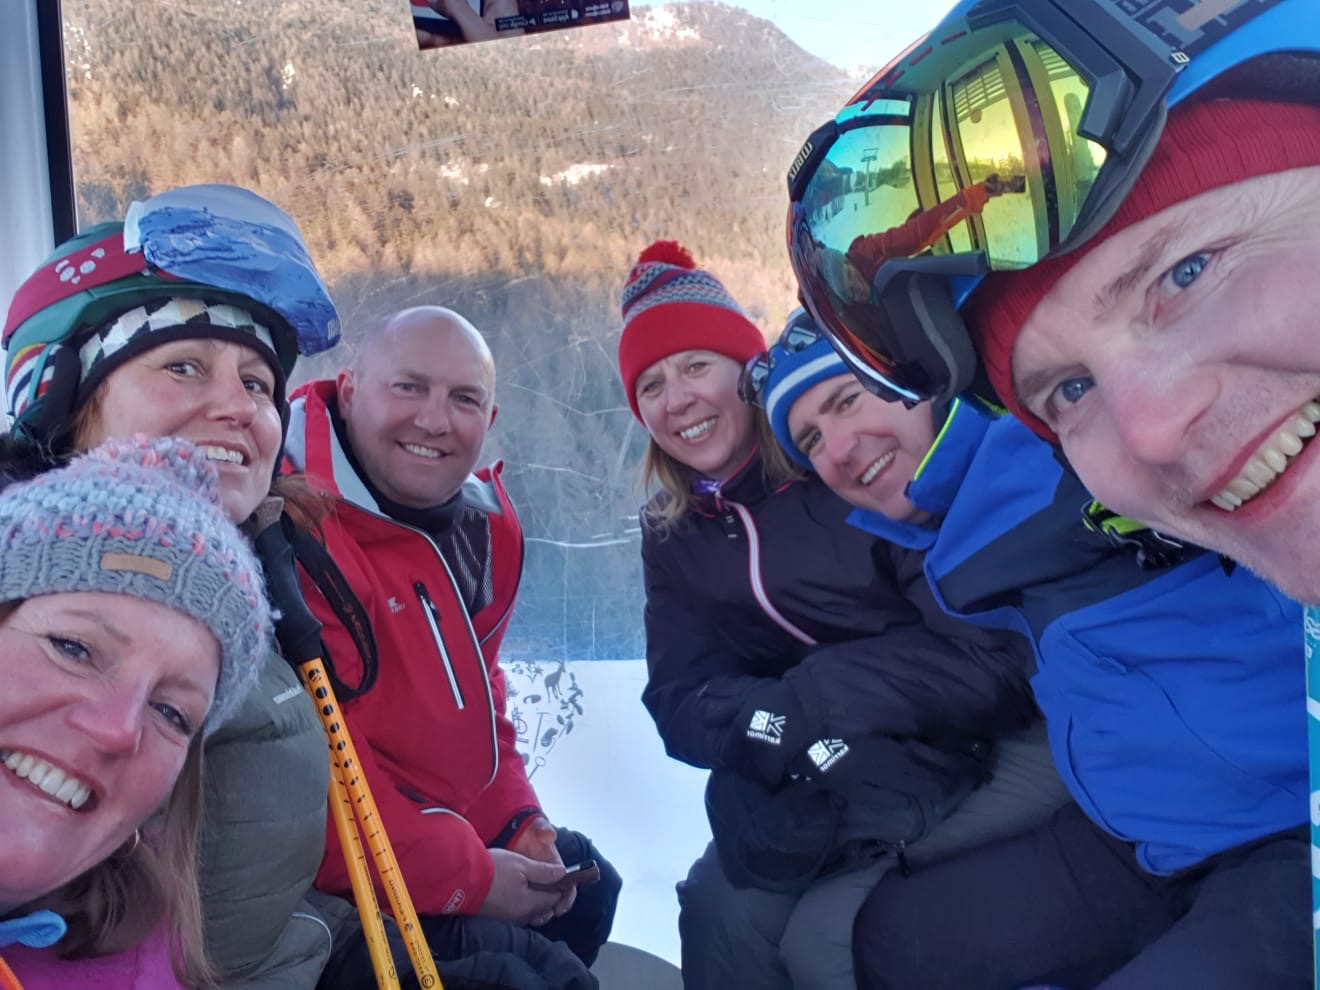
{"x": 1174, "y": 695}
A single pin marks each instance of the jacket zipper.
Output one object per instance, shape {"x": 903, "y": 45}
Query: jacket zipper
{"x": 472, "y": 635}
{"x": 339, "y": 456}
{"x": 754, "y": 570}
{"x": 429, "y": 610}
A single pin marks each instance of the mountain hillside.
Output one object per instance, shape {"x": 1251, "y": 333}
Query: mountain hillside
{"x": 515, "y": 181}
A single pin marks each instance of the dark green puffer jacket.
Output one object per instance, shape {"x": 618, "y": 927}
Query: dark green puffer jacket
{"x": 267, "y": 773}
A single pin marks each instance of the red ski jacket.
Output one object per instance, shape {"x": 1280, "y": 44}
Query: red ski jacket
{"x": 431, "y": 732}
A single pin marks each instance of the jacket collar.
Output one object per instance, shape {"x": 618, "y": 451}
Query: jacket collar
{"x": 941, "y": 472}
{"x": 747, "y": 484}
{"x": 313, "y": 444}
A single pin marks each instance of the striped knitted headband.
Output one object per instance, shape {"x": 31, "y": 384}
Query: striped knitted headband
{"x": 154, "y": 322}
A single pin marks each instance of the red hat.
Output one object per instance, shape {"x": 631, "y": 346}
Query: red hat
{"x": 1204, "y": 145}
{"x": 671, "y": 305}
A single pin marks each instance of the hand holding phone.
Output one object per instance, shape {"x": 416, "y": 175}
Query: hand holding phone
{"x": 577, "y": 875}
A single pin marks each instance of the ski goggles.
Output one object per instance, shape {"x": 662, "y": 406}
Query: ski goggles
{"x": 213, "y": 235}
{"x": 796, "y": 338}
{"x": 1011, "y": 133}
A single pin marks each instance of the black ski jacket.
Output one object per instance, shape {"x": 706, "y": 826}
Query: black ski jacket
{"x": 738, "y": 590}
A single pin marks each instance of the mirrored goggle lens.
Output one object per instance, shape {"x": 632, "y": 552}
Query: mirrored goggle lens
{"x": 233, "y": 239}
{"x": 974, "y": 149}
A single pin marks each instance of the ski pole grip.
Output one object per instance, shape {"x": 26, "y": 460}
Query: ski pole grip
{"x": 297, "y": 629}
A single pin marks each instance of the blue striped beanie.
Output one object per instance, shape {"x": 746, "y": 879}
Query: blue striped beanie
{"x": 670, "y": 305}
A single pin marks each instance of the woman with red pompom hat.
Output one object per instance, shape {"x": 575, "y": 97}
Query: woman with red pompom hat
{"x": 790, "y": 654}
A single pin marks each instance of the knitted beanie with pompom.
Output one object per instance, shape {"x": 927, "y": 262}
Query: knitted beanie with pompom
{"x": 671, "y": 305}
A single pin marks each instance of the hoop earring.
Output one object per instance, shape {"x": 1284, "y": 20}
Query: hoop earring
{"x": 136, "y": 842}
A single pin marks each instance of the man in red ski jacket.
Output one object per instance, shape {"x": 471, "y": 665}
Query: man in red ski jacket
{"x": 433, "y": 552}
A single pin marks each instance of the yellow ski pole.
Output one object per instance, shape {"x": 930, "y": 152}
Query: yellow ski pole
{"x": 344, "y": 764}
{"x": 364, "y": 895}
{"x": 299, "y": 633}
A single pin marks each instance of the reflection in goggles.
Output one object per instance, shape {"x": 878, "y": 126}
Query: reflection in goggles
{"x": 985, "y": 158}
{"x": 991, "y": 160}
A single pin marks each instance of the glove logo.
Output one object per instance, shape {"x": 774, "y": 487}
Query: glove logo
{"x": 827, "y": 752}
{"x": 767, "y": 727}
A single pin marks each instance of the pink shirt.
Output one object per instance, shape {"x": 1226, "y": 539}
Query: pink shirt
{"x": 146, "y": 967}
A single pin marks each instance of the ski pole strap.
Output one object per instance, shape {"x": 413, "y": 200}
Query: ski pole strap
{"x": 281, "y": 546}
{"x": 330, "y": 581}
{"x": 297, "y": 629}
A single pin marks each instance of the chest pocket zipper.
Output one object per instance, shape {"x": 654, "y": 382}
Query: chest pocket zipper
{"x": 429, "y": 610}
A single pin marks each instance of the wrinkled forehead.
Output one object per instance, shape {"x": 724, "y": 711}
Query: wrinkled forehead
{"x": 435, "y": 351}
{"x": 1109, "y": 284}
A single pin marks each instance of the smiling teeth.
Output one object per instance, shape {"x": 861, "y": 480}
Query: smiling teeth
{"x": 1271, "y": 460}
{"x": 50, "y": 779}
{"x": 692, "y": 432}
{"x": 221, "y": 454}
{"x": 420, "y": 451}
{"x": 876, "y": 468}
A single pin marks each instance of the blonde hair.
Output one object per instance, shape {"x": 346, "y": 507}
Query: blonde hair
{"x": 668, "y": 507}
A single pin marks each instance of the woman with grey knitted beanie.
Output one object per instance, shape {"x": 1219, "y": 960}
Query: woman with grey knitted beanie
{"x": 133, "y": 620}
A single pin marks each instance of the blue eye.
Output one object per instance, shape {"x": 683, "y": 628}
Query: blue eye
{"x": 1072, "y": 390}
{"x": 1185, "y": 272}
{"x": 70, "y": 648}
{"x": 175, "y": 717}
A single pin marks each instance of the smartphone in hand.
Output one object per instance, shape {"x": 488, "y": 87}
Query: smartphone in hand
{"x": 576, "y": 875}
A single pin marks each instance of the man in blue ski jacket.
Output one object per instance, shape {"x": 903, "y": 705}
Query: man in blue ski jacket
{"x": 1170, "y": 684}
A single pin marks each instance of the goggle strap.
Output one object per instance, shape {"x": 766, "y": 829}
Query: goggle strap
{"x": 947, "y": 335}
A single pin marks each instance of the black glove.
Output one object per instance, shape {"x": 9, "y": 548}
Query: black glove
{"x": 902, "y": 766}
{"x": 770, "y": 730}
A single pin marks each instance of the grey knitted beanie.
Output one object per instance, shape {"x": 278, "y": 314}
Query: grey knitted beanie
{"x": 142, "y": 517}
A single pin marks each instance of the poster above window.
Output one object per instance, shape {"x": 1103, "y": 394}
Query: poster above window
{"x": 440, "y": 23}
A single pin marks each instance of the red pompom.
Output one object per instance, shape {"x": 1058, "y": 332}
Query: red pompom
{"x": 669, "y": 253}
